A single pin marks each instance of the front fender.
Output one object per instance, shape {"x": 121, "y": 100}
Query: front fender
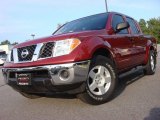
{"x": 89, "y": 46}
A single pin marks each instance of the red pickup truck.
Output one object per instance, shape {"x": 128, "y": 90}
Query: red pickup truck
{"x": 83, "y": 57}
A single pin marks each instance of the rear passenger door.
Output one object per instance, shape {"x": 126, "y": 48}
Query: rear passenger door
{"x": 138, "y": 42}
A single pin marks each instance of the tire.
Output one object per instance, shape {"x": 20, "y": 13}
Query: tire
{"x": 150, "y": 68}
{"x": 30, "y": 96}
{"x": 101, "y": 81}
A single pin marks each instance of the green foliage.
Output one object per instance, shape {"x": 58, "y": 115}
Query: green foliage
{"x": 5, "y": 42}
{"x": 15, "y": 43}
{"x": 151, "y": 27}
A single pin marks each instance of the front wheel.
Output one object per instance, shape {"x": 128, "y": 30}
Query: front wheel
{"x": 101, "y": 81}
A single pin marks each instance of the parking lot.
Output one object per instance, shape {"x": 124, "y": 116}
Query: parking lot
{"x": 137, "y": 98}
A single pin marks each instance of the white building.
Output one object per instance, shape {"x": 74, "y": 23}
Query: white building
{"x": 5, "y": 48}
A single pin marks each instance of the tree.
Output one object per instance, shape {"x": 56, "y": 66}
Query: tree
{"x": 154, "y": 28}
{"x": 143, "y": 25}
{"x": 5, "y": 42}
{"x": 15, "y": 43}
{"x": 151, "y": 27}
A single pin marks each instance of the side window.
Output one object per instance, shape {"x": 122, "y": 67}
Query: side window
{"x": 115, "y": 21}
{"x": 133, "y": 26}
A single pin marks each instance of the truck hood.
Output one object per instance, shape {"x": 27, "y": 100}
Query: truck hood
{"x": 79, "y": 35}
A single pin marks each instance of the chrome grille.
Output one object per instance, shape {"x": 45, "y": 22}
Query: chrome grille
{"x": 32, "y": 53}
{"x": 29, "y": 51}
{"x": 47, "y": 50}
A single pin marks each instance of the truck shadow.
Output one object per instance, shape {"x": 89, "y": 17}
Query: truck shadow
{"x": 63, "y": 96}
{"x": 154, "y": 114}
{"x": 127, "y": 79}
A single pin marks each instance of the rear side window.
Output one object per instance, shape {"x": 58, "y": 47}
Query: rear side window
{"x": 115, "y": 21}
{"x": 133, "y": 26}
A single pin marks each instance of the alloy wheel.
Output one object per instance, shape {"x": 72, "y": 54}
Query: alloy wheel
{"x": 99, "y": 80}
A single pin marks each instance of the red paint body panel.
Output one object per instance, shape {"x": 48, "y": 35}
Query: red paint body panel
{"x": 127, "y": 50}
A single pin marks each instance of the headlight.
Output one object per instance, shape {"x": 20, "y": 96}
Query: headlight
{"x": 64, "y": 47}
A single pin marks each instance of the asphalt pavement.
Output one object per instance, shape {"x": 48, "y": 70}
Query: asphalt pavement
{"x": 137, "y": 98}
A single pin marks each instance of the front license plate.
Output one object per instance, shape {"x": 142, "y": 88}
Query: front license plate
{"x": 24, "y": 79}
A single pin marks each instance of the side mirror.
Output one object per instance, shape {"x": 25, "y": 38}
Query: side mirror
{"x": 122, "y": 26}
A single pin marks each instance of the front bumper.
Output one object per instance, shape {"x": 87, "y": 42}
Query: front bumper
{"x": 49, "y": 78}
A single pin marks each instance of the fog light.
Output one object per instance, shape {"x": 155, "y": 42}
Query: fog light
{"x": 64, "y": 74}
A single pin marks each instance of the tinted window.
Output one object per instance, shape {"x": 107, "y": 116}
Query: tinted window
{"x": 116, "y": 20}
{"x": 133, "y": 25}
{"x": 95, "y": 22}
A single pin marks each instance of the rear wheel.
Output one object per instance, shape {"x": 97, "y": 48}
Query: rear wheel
{"x": 151, "y": 65}
{"x": 101, "y": 81}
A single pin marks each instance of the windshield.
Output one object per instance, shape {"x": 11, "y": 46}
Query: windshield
{"x": 95, "y": 22}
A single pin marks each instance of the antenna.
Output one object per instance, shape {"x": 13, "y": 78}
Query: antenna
{"x": 106, "y": 5}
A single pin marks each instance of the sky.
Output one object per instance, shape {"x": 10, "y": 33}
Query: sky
{"x": 21, "y": 18}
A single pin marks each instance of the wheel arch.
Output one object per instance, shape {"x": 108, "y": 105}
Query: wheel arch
{"x": 104, "y": 51}
{"x": 150, "y": 46}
